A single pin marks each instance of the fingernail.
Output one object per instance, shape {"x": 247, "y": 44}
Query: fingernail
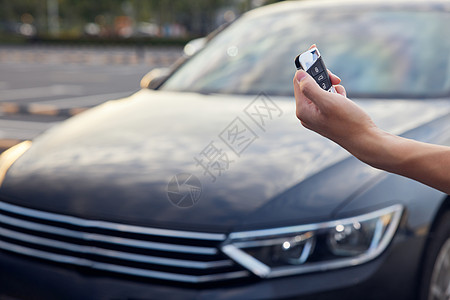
{"x": 300, "y": 75}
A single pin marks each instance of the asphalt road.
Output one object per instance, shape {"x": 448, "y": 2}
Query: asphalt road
{"x": 42, "y": 86}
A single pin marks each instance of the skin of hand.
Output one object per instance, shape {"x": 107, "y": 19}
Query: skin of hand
{"x": 336, "y": 117}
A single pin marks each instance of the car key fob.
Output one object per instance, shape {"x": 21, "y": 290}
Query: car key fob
{"x": 312, "y": 63}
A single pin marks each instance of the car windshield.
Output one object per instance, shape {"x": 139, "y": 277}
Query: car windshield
{"x": 376, "y": 53}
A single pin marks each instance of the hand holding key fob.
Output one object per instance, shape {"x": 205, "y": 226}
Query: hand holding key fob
{"x": 312, "y": 63}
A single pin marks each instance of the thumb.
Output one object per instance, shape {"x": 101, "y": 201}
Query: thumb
{"x": 310, "y": 89}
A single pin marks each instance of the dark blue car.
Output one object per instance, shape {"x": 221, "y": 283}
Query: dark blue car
{"x": 207, "y": 187}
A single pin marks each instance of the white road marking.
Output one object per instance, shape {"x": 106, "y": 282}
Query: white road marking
{"x": 85, "y": 101}
{"x": 12, "y": 129}
{"x": 36, "y": 92}
{"x": 26, "y": 124}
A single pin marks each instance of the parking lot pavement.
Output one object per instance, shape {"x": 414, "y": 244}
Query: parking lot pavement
{"x": 93, "y": 55}
{"x": 41, "y": 86}
{"x": 59, "y": 107}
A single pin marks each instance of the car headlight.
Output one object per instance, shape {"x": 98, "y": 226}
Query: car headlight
{"x": 314, "y": 247}
{"x": 8, "y": 157}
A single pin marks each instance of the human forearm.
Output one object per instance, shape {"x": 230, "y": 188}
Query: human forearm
{"x": 336, "y": 117}
{"x": 427, "y": 163}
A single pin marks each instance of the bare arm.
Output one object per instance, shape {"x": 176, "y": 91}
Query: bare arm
{"x": 338, "y": 118}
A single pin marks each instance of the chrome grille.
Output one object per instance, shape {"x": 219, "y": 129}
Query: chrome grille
{"x": 182, "y": 256}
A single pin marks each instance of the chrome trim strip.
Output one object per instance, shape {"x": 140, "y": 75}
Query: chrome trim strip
{"x": 113, "y": 253}
{"x": 106, "y": 239}
{"x": 310, "y": 227}
{"x": 261, "y": 270}
{"x": 120, "y": 269}
{"x": 255, "y": 266}
{"x": 270, "y": 242}
{"x": 109, "y": 225}
{"x": 306, "y": 251}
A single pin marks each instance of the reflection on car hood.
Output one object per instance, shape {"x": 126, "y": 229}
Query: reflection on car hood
{"x": 115, "y": 161}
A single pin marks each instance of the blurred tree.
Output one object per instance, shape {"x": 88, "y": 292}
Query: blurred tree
{"x": 12, "y": 11}
{"x": 198, "y": 16}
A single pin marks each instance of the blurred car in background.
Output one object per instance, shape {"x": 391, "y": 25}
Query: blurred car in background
{"x": 207, "y": 187}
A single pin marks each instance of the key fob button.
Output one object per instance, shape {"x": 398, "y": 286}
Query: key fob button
{"x": 321, "y": 77}
{"x": 315, "y": 70}
{"x": 317, "y": 67}
{"x": 323, "y": 80}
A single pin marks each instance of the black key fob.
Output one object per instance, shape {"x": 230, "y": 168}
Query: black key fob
{"x": 312, "y": 63}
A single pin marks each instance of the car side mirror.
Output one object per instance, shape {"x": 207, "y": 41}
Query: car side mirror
{"x": 154, "y": 78}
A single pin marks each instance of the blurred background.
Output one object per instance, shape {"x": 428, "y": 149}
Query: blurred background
{"x": 60, "y": 57}
{"x": 146, "y": 20}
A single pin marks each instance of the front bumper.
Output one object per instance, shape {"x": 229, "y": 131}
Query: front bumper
{"x": 390, "y": 276}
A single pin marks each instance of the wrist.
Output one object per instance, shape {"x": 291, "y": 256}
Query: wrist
{"x": 373, "y": 147}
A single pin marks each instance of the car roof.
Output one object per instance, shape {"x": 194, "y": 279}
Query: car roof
{"x": 342, "y": 5}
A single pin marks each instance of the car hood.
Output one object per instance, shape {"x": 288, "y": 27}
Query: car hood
{"x": 120, "y": 161}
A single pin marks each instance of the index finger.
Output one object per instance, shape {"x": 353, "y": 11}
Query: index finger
{"x": 335, "y": 80}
